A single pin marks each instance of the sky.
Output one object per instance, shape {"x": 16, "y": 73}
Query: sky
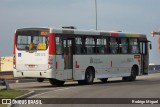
{"x": 137, "y": 16}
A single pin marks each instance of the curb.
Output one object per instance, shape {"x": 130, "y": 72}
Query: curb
{"x": 23, "y": 96}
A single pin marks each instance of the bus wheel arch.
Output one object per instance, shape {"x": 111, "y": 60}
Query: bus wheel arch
{"x": 134, "y": 73}
{"x": 136, "y": 69}
{"x": 89, "y": 75}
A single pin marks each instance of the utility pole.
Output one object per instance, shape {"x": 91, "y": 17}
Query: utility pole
{"x": 96, "y": 12}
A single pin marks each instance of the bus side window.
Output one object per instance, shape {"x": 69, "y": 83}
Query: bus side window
{"x": 59, "y": 45}
{"x": 101, "y": 45}
{"x": 113, "y": 46}
{"x": 79, "y": 47}
{"x": 90, "y": 45}
{"x": 123, "y": 46}
{"x": 133, "y": 44}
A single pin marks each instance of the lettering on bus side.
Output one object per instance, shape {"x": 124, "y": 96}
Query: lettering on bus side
{"x": 95, "y": 60}
{"x": 40, "y": 54}
{"x": 130, "y": 60}
{"x": 127, "y": 60}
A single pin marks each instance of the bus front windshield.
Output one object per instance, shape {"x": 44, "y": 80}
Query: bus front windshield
{"x": 27, "y": 42}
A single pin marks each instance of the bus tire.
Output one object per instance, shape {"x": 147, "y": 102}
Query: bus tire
{"x": 40, "y": 79}
{"x": 104, "y": 80}
{"x": 133, "y": 74}
{"x": 56, "y": 82}
{"x": 89, "y": 76}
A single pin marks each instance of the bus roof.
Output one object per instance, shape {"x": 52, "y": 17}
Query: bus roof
{"x": 94, "y": 32}
{"x": 87, "y": 32}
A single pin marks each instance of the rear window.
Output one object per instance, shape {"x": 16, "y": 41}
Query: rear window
{"x": 32, "y": 40}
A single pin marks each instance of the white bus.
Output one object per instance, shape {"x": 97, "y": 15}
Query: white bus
{"x": 79, "y": 55}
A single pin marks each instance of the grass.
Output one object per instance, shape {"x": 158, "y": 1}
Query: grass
{"x": 11, "y": 94}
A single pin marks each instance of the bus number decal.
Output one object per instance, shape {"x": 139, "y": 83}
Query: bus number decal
{"x": 40, "y": 54}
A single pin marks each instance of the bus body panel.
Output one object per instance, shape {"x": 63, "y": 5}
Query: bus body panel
{"x": 50, "y": 72}
{"x": 61, "y": 72}
{"x": 32, "y": 60}
{"x": 106, "y": 66}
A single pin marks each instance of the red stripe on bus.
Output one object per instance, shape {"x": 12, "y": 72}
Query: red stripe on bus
{"x": 52, "y": 44}
{"x": 136, "y": 56}
{"x": 114, "y": 34}
{"x": 77, "y": 66}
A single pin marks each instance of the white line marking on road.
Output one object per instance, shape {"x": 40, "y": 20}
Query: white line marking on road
{"x": 63, "y": 89}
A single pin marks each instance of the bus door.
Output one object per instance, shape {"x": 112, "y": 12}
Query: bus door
{"x": 144, "y": 57}
{"x": 68, "y": 58}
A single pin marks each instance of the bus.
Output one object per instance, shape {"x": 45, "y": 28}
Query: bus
{"x": 60, "y": 54}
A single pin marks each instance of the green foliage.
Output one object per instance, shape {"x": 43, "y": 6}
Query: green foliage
{"x": 11, "y": 94}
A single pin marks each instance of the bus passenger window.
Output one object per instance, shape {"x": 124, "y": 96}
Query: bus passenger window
{"x": 113, "y": 46}
{"x": 79, "y": 47}
{"x": 90, "y": 45}
{"x": 101, "y": 45}
{"x": 124, "y": 46}
{"x": 134, "y": 48}
{"x": 59, "y": 45}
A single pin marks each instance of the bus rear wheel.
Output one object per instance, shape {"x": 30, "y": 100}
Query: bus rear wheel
{"x": 40, "y": 79}
{"x": 56, "y": 82}
{"x": 89, "y": 76}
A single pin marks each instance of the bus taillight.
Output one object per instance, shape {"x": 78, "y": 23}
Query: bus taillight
{"x": 50, "y": 60}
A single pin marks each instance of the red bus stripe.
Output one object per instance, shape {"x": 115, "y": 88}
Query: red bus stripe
{"x": 52, "y": 46}
{"x": 77, "y": 66}
{"x": 114, "y": 34}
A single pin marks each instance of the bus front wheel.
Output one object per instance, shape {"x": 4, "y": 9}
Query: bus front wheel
{"x": 133, "y": 74}
{"x": 56, "y": 82}
{"x": 132, "y": 77}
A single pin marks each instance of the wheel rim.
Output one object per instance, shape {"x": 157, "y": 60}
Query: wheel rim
{"x": 89, "y": 76}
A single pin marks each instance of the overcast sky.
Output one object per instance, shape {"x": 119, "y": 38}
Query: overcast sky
{"x": 137, "y": 16}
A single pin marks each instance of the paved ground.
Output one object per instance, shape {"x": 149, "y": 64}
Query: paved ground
{"x": 144, "y": 87}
